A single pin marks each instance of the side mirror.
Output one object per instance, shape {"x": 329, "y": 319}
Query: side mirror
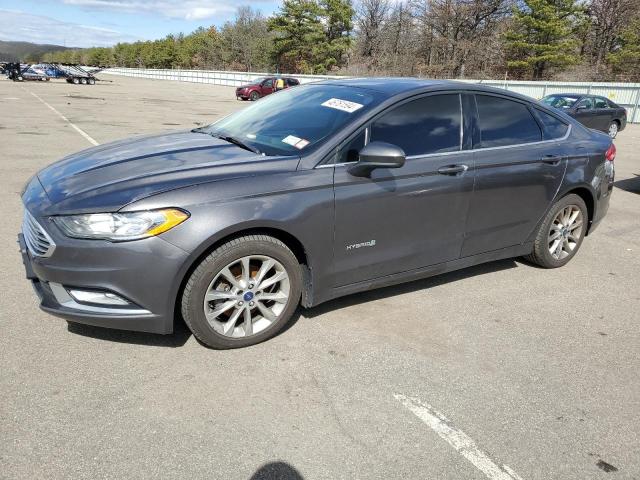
{"x": 377, "y": 155}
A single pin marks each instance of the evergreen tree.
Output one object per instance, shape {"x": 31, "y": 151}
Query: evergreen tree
{"x": 542, "y": 36}
{"x": 626, "y": 59}
{"x": 311, "y": 37}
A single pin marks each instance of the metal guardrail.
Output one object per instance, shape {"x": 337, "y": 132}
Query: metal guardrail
{"x": 624, "y": 94}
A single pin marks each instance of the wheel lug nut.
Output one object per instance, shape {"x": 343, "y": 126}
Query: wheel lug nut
{"x": 251, "y": 285}
{"x": 240, "y": 304}
{"x": 251, "y": 304}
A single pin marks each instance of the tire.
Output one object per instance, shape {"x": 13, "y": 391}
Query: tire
{"x": 613, "y": 129}
{"x": 557, "y": 224}
{"x": 76, "y": 81}
{"x": 83, "y": 81}
{"x": 92, "y": 81}
{"x": 253, "y": 96}
{"x": 239, "y": 300}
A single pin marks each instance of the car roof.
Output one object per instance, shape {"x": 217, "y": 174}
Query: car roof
{"x": 574, "y": 95}
{"x": 392, "y": 86}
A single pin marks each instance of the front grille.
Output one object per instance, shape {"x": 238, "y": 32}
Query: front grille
{"x": 37, "y": 240}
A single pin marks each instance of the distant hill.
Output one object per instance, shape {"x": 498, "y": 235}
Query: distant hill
{"x": 25, "y": 51}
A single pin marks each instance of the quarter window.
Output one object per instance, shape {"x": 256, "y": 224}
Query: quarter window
{"x": 505, "y": 122}
{"x": 552, "y": 127}
{"x": 601, "y": 103}
{"x": 349, "y": 151}
{"x": 426, "y": 125}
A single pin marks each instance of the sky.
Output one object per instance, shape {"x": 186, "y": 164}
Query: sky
{"x": 88, "y": 23}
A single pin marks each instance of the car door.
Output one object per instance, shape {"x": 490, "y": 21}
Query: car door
{"x": 585, "y": 113}
{"x": 267, "y": 86}
{"x": 518, "y": 174}
{"x": 397, "y": 220}
{"x": 604, "y": 114}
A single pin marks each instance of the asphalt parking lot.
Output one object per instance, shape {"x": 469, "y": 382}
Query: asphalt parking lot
{"x": 536, "y": 371}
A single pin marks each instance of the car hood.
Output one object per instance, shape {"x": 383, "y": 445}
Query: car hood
{"x": 110, "y": 176}
{"x": 248, "y": 85}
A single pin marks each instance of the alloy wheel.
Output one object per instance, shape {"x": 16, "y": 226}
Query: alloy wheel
{"x": 613, "y": 130}
{"x": 247, "y": 296}
{"x": 565, "y": 232}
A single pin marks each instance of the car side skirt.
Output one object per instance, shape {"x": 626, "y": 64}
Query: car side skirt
{"x": 423, "y": 272}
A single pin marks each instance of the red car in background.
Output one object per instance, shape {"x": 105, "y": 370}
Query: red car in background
{"x": 262, "y": 86}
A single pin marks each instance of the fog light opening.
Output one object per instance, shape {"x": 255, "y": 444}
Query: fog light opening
{"x": 97, "y": 298}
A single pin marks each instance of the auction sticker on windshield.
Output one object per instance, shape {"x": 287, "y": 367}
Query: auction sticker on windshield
{"x": 344, "y": 105}
{"x": 294, "y": 141}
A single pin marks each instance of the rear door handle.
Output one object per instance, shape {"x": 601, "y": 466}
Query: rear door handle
{"x": 551, "y": 159}
{"x": 452, "y": 169}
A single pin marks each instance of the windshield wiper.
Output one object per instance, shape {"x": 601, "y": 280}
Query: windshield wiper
{"x": 237, "y": 142}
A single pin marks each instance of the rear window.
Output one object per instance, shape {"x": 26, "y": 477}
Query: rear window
{"x": 551, "y": 126}
{"x": 505, "y": 122}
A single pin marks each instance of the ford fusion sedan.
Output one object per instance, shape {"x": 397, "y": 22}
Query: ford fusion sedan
{"x": 592, "y": 111}
{"x": 320, "y": 191}
{"x": 262, "y": 87}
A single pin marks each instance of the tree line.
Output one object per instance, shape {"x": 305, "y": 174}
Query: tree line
{"x": 522, "y": 39}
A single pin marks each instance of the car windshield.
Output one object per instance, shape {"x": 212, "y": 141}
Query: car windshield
{"x": 294, "y": 120}
{"x": 258, "y": 80}
{"x": 560, "y": 101}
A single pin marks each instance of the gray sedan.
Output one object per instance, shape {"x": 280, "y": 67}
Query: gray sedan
{"x": 314, "y": 193}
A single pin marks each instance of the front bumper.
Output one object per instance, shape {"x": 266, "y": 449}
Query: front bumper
{"x": 146, "y": 272}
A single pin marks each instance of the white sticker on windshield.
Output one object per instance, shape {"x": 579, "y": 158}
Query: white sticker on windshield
{"x": 301, "y": 144}
{"x": 344, "y": 105}
{"x": 291, "y": 140}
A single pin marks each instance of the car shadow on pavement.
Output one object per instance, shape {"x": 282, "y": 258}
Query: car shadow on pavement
{"x": 423, "y": 284}
{"x": 629, "y": 184}
{"x": 178, "y": 338}
{"x": 276, "y": 471}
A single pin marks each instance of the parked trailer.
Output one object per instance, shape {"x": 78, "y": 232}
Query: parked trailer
{"x": 72, "y": 73}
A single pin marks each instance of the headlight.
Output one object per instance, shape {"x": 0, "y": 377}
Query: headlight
{"x": 121, "y": 226}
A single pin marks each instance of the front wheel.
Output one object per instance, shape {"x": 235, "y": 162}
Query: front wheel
{"x": 254, "y": 96}
{"x": 243, "y": 293}
{"x": 613, "y": 129}
{"x": 561, "y": 233}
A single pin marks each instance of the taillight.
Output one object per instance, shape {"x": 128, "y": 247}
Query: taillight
{"x": 610, "y": 154}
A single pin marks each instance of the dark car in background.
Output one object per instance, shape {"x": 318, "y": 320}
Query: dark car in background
{"x": 262, "y": 87}
{"x": 320, "y": 191}
{"x": 592, "y": 111}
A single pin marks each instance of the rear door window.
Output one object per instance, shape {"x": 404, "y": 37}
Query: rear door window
{"x": 505, "y": 122}
{"x": 552, "y": 127}
{"x": 427, "y": 125}
{"x": 601, "y": 103}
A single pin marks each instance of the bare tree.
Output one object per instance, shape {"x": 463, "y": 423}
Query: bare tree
{"x": 371, "y": 16}
{"x": 608, "y": 19}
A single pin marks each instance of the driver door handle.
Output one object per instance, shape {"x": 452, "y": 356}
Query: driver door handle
{"x": 551, "y": 159}
{"x": 452, "y": 169}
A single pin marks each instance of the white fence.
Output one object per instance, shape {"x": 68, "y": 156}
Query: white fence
{"x": 624, "y": 94}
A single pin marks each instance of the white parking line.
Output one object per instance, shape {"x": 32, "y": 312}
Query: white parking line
{"x": 75, "y": 127}
{"x": 459, "y": 440}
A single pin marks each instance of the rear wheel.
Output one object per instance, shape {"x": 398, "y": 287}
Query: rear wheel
{"x": 92, "y": 81}
{"x": 561, "y": 233}
{"x": 83, "y": 81}
{"x": 76, "y": 81}
{"x": 243, "y": 293}
{"x": 613, "y": 129}
{"x": 254, "y": 96}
